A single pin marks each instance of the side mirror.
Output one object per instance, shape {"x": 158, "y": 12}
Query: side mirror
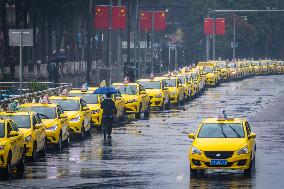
{"x": 142, "y": 92}
{"x": 191, "y": 135}
{"x": 13, "y": 134}
{"x": 63, "y": 116}
{"x": 38, "y": 126}
{"x": 85, "y": 108}
{"x": 252, "y": 135}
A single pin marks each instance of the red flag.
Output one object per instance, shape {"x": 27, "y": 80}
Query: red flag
{"x": 119, "y": 17}
{"x": 220, "y": 26}
{"x": 160, "y": 20}
{"x": 208, "y": 26}
{"x": 146, "y": 21}
{"x": 101, "y": 15}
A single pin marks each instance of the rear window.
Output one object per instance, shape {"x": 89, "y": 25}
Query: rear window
{"x": 88, "y": 98}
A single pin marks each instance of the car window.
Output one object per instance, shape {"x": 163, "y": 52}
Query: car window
{"x": 83, "y": 103}
{"x": 221, "y": 130}
{"x": 43, "y": 112}
{"x": 127, "y": 89}
{"x": 14, "y": 127}
{"x": 89, "y": 98}
{"x": 67, "y": 105}
{"x": 2, "y": 130}
{"x": 22, "y": 121}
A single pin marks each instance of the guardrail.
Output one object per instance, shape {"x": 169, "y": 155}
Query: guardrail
{"x": 10, "y": 103}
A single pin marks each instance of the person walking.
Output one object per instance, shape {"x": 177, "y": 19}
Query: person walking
{"x": 109, "y": 111}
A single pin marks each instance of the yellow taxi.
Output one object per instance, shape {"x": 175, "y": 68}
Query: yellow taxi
{"x": 264, "y": 67}
{"x": 233, "y": 71}
{"x": 54, "y": 119}
{"x": 186, "y": 85}
{"x": 222, "y": 68}
{"x": 30, "y": 124}
{"x": 159, "y": 95}
{"x": 256, "y": 67}
{"x": 241, "y": 70}
{"x": 176, "y": 89}
{"x": 271, "y": 67}
{"x": 210, "y": 76}
{"x": 198, "y": 82}
{"x": 93, "y": 102}
{"x": 192, "y": 86}
{"x": 78, "y": 113}
{"x": 12, "y": 147}
{"x": 279, "y": 67}
{"x": 136, "y": 99}
{"x": 250, "y": 68}
{"x": 222, "y": 143}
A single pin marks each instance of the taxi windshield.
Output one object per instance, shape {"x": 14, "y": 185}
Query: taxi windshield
{"x": 87, "y": 97}
{"x": 127, "y": 89}
{"x": 221, "y": 130}
{"x": 22, "y": 121}
{"x": 181, "y": 80}
{"x": 67, "y": 105}
{"x": 2, "y": 130}
{"x": 255, "y": 63}
{"x": 208, "y": 69}
{"x": 170, "y": 82}
{"x": 231, "y": 65}
{"x": 43, "y": 112}
{"x": 150, "y": 84}
{"x": 221, "y": 65}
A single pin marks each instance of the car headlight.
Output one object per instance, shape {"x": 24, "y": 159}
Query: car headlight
{"x": 158, "y": 95}
{"x": 28, "y": 139}
{"x": 95, "y": 111}
{"x": 243, "y": 150}
{"x": 195, "y": 150}
{"x": 2, "y": 147}
{"x": 52, "y": 128}
{"x": 131, "y": 101}
{"x": 75, "y": 119}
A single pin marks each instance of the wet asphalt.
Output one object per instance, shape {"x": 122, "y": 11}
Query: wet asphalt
{"x": 153, "y": 153}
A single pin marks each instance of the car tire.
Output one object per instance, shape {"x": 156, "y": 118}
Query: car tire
{"x": 248, "y": 170}
{"x": 34, "y": 155}
{"x": 82, "y": 134}
{"x": 6, "y": 172}
{"x": 21, "y": 164}
{"x": 138, "y": 115}
{"x": 89, "y": 132}
{"x": 193, "y": 171}
{"x": 147, "y": 111}
{"x": 162, "y": 108}
{"x": 43, "y": 151}
{"x": 59, "y": 144}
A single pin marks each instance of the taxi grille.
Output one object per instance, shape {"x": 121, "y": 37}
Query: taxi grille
{"x": 219, "y": 154}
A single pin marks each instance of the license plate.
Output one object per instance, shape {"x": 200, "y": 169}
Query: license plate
{"x": 218, "y": 162}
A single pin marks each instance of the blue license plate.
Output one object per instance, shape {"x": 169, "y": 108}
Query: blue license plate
{"x": 218, "y": 162}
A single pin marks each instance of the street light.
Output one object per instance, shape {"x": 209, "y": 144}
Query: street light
{"x": 234, "y": 42}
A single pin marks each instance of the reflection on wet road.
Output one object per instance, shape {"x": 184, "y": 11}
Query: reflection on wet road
{"x": 153, "y": 153}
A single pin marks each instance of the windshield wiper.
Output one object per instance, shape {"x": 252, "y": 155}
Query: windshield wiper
{"x": 44, "y": 116}
{"x": 236, "y": 132}
{"x": 222, "y": 131}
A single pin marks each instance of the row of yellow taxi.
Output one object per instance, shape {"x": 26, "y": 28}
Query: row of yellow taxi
{"x": 28, "y": 131}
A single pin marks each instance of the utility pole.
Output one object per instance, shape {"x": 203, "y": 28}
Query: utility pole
{"x": 128, "y": 36}
{"x": 234, "y": 42}
{"x": 152, "y": 43}
{"x": 118, "y": 50}
{"x": 21, "y": 63}
{"x": 136, "y": 36}
{"x": 109, "y": 43}
{"x": 88, "y": 31}
{"x": 207, "y": 44}
{"x": 214, "y": 35}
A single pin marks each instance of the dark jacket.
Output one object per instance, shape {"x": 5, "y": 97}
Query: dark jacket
{"x": 108, "y": 106}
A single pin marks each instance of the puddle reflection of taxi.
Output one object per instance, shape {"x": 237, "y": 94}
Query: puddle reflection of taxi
{"x": 78, "y": 113}
{"x": 33, "y": 129}
{"x": 222, "y": 143}
{"x": 176, "y": 89}
{"x": 159, "y": 95}
{"x": 12, "y": 147}
{"x": 136, "y": 99}
{"x": 93, "y": 102}
{"x": 54, "y": 119}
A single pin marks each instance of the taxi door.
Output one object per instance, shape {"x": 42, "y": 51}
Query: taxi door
{"x": 63, "y": 122}
{"x": 144, "y": 97}
{"x": 39, "y": 131}
{"x": 87, "y": 114}
{"x": 15, "y": 142}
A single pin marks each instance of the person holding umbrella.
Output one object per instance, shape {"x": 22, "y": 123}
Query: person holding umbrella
{"x": 109, "y": 109}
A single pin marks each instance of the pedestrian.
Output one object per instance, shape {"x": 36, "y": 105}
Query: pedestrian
{"x": 109, "y": 111}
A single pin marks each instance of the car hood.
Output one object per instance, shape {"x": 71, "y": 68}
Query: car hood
{"x": 26, "y": 131}
{"x": 94, "y": 106}
{"x": 152, "y": 92}
{"x": 71, "y": 114}
{"x": 48, "y": 122}
{"x": 219, "y": 144}
{"x": 209, "y": 75}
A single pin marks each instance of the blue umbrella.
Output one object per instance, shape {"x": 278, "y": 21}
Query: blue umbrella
{"x": 106, "y": 90}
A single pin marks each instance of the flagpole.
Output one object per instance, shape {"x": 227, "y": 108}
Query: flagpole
{"x": 109, "y": 40}
{"x": 118, "y": 50}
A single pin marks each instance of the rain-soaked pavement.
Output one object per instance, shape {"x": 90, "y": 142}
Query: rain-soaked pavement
{"x": 154, "y": 153}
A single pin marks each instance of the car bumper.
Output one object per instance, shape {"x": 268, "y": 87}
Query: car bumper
{"x": 131, "y": 108}
{"x": 210, "y": 82}
{"x": 96, "y": 119}
{"x": 52, "y": 136}
{"x": 156, "y": 102}
{"x": 234, "y": 162}
{"x": 75, "y": 127}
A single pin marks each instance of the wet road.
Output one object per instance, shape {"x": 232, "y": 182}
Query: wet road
{"x": 153, "y": 153}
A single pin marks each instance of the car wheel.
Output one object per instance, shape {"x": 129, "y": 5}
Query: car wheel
{"x": 34, "y": 155}
{"x": 147, "y": 111}
{"x": 248, "y": 170}
{"x": 21, "y": 164}
{"x": 193, "y": 171}
{"x": 59, "y": 144}
{"x": 168, "y": 105}
{"x": 43, "y": 151}
{"x": 124, "y": 116}
{"x": 162, "y": 108}
{"x": 82, "y": 134}
{"x": 89, "y": 132}
{"x": 7, "y": 170}
{"x": 138, "y": 115}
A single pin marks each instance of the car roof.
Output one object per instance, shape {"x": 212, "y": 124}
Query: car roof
{"x": 65, "y": 98}
{"x": 220, "y": 120}
{"x": 38, "y": 104}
